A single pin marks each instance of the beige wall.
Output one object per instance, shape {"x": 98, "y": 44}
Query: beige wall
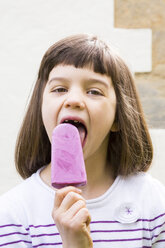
{"x": 151, "y": 85}
{"x": 145, "y": 14}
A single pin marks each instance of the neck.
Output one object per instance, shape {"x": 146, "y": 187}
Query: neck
{"x": 99, "y": 175}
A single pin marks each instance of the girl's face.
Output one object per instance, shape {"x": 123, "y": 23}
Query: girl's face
{"x": 80, "y": 94}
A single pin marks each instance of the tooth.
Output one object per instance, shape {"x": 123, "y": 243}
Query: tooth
{"x": 66, "y": 120}
{"x": 76, "y": 121}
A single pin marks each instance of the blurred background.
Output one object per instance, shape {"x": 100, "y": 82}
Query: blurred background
{"x": 28, "y": 28}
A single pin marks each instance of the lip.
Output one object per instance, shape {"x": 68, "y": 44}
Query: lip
{"x": 74, "y": 118}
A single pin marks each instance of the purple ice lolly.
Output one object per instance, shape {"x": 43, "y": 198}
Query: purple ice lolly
{"x": 67, "y": 162}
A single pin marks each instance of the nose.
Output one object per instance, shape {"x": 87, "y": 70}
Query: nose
{"x": 74, "y": 100}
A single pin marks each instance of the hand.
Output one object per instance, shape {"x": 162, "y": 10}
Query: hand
{"x": 72, "y": 218}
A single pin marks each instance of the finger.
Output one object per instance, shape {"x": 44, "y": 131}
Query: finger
{"x": 82, "y": 219}
{"x": 75, "y": 208}
{"x": 70, "y": 199}
{"x": 61, "y": 193}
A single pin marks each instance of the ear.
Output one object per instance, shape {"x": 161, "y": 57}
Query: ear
{"x": 115, "y": 127}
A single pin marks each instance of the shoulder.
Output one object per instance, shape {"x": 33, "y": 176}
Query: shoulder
{"x": 25, "y": 213}
{"x": 14, "y": 222}
{"x": 18, "y": 192}
{"x": 147, "y": 185}
{"x": 143, "y": 180}
{"x": 144, "y": 184}
{"x": 12, "y": 203}
{"x": 27, "y": 201}
{"x": 146, "y": 191}
{"x": 25, "y": 190}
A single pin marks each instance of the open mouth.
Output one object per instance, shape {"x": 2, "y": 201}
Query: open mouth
{"x": 81, "y": 128}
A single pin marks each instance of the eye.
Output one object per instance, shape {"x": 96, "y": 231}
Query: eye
{"x": 94, "y": 92}
{"x": 59, "y": 90}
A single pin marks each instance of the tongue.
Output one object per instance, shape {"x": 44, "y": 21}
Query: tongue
{"x": 81, "y": 133}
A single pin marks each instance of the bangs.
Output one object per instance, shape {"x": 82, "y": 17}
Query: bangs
{"x": 80, "y": 51}
{"x": 80, "y": 57}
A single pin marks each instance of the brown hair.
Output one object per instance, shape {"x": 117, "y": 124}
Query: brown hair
{"x": 130, "y": 148}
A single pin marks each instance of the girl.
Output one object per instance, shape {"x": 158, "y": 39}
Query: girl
{"x": 82, "y": 79}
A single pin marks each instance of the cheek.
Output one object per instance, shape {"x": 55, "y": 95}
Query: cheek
{"x": 111, "y": 109}
{"x": 105, "y": 119}
{"x": 45, "y": 120}
{"x": 45, "y": 113}
{"x": 48, "y": 116}
{"x": 105, "y": 113}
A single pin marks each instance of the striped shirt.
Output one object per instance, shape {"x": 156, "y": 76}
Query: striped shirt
{"x": 130, "y": 214}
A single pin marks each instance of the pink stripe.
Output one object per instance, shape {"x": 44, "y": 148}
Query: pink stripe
{"x": 120, "y": 240}
{"x": 34, "y": 246}
{"x": 161, "y": 215}
{"x": 106, "y": 221}
{"x": 8, "y": 234}
{"x": 48, "y": 225}
{"x": 162, "y": 240}
{"x": 41, "y": 235}
{"x": 16, "y": 242}
{"x": 10, "y": 225}
{"x": 130, "y": 230}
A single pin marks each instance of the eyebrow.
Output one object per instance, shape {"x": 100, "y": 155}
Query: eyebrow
{"x": 89, "y": 80}
{"x": 58, "y": 79}
{"x": 96, "y": 80}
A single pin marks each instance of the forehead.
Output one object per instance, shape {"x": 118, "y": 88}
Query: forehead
{"x": 70, "y": 72}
